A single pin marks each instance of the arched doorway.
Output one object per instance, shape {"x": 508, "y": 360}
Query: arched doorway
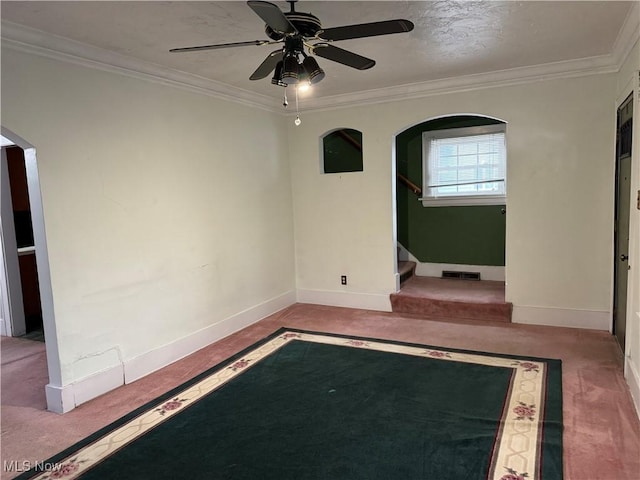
{"x": 463, "y": 236}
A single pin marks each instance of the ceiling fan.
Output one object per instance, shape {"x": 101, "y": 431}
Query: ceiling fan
{"x": 296, "y": 30}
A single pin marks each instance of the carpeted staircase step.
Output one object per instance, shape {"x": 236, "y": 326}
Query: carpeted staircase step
{"x": 451, "y": 298}
{"x": 406, "y": 270}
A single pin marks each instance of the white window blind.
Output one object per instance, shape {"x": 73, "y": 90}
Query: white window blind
{"x": 464, "y": 163}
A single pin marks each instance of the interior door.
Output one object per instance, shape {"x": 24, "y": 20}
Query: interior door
{"x": 622, "y": 210}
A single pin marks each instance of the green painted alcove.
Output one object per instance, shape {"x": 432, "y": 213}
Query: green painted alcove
{"x": 468, "y": 235}
{"x": 342, "y": 151}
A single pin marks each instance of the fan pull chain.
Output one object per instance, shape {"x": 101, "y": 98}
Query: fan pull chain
{"x": 297, "y": 121}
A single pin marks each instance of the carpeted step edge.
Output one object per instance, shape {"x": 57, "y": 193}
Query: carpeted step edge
{"x": 500, "y": 312}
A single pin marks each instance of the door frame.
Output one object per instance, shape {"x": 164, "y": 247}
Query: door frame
{"x": 54, "y": 387}
{"x": 12, "y": 309}
{"x": 621, "y": 270}
{"x": 5, "y": 321}
{"x": 632, "y": 87}
{"x": 394, "y": 181}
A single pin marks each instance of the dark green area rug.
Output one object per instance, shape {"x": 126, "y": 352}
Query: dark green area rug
{"x": 306, "y": 405}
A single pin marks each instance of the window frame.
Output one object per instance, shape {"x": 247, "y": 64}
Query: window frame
{"x": 460, "y": 200}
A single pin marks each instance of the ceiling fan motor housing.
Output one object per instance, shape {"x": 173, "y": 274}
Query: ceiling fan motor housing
{"x": 306, "y": 24}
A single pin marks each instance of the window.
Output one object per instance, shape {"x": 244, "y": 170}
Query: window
{"x": 464, "y": 166}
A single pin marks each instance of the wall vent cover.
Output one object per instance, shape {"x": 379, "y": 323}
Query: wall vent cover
{"x": 461, "y": 275}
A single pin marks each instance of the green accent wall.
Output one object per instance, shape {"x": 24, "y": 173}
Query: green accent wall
{"x": 470, "y": 235}
{"x": 342, "y": 151}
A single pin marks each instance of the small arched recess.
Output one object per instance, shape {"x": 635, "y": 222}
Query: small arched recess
{"x": 341, "y": 151}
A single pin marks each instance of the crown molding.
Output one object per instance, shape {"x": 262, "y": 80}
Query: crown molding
{"x": 628, "y": 35}
{"x": 501, "y": 78}
{"x": 37, "y": 42}
{"x": 21, "y": 38}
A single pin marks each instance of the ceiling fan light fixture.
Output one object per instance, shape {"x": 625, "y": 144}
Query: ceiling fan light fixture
{"x": 313, "y": 70}
{"x": 290, "y": 70}
{"x": 277, "y": 75}
{"x": 296, "y": 30}
{"x": 304, "y": 82}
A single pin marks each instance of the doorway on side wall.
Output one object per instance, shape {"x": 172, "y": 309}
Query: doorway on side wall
{"x": 16, "y": 218}
{"x": 624, "y": 140}
{"x": 26, "y": 300}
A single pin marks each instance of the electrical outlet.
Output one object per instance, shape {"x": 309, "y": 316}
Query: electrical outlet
{"x": 343, "y": 279}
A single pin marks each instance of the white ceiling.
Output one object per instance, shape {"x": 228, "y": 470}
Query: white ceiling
{"x": 451, "y": 39}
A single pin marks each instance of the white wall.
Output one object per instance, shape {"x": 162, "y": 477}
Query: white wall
{"x": 170, "y": 221}
{"x": 168, "y": 215}
{"x": 343, "y": 222}
{"x": 626, "y": 79}
{"x": 560, "y": 198}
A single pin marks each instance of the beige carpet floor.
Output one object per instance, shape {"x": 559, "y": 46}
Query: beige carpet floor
{"x": 602, "y": 429}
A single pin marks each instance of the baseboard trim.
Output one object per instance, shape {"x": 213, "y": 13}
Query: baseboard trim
{"x": 158, "y": 358}
{"x": 4, "y": 331}
{"x": 65, "y": 398}
{"x": 59, "y": 399}
{"x": 562, "y": 317}
{"x": 487, "y": 272}
{"x": 426, "y": 269}
{"x": 633, "y": 380}
{"x": 365, "y": 301}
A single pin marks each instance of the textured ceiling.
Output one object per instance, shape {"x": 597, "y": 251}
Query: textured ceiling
{"x": 450, "y": 39}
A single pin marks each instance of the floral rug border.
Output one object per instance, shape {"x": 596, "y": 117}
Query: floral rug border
{"x": 517, "y": 449}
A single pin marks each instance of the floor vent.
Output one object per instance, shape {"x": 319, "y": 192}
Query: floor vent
{"x": 461, "y": 275}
